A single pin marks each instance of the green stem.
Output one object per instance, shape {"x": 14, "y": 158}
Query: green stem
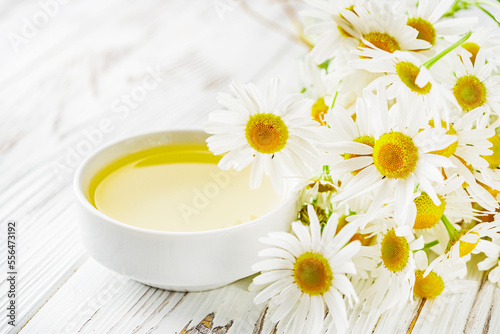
{"x": 456, "y": 7}
{"x": 428, "y": 64}
{"x": 487, "y": 12}
{"x": 452, "y": 232}
{"x": 488, "y": 3}
{"x": 336, "y": 94}
{"x": 430, "y": 244}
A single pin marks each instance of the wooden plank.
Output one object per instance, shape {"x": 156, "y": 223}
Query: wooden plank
{"x": 95, "y": 299}
{"x": 481, "y": 311}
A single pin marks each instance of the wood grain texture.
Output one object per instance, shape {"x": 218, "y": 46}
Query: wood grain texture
{"x": 55, "y": 92}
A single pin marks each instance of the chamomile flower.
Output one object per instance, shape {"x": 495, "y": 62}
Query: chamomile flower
{"x": 399, "y": 159}
{"x": 474, "y": 85}
{"x": 405, "y": 77}
{"x": 395, "y": 274}
{"x": 440, "y": 278}
{"x": 473, "y": 241}
{"x": 332, "y": 41}
{"x": 318, "y": 86}
{"x": 276, "y": 138}
{"x": 306, "y": 275}
{"x": 376, "y": 25}
{"x": 486, "y": 39}
{"x": 426, "y": 16}
{"x": 472, "y": 143}
{"x": 470, "y": 153}
{"x": 455, "y": 204}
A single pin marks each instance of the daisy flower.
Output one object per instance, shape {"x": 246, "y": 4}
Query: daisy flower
{"x": 405, "y": 79}
{"x": 379, "y": 26}
{"x": 395, "y": 274}
{"x": 275, "y": 138}
{"x": 426, "y": 16}
{"x": 486, "y": 39}
{"x": 455, "y": 204}
{"x": 470, "y": 153}
{"x": 318, "y": 86}
{"x": 306, "y": 275}
{"x": 465, "y": 242}
{"x": 474, "y": 85}
{"x": 399, "y": 159}
{"x": 440, "y": 278}
{"x": 331, "y": 41}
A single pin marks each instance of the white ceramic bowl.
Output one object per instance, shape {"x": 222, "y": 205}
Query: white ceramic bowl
{"x": 182, "y": 261}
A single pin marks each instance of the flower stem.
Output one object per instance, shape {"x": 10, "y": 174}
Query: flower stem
{"x": 336, "y": 94}
{"x": 489, "y": 3}
{"x": 430, "y": 244}
{"x": 334, "y": 99}
{"x": 457, "y": 6}
{"x": 478, "y": 5}
{"x": 452, "y": 232}
{"x": 428, "y": 64}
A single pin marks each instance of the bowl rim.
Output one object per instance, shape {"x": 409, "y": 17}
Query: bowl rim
{"x": 83, "y": 201}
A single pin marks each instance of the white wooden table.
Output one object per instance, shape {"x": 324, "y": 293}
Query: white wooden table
{"x": 63, "y": 74}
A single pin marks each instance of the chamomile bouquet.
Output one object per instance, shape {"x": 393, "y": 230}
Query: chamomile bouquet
{"x": 393, "y": 142}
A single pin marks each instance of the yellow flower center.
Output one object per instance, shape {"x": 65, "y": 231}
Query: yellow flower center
{"x": 408, "y": 73}
{"x": 494, "y": 158}
{"x": 313, "y": 274}
{"x": 319, "y": 110}
{"x": 469, "y": 92}
{"x": 395, "y": 251}
{"x": 382, "y": 41}
{"x": 473, "y": 48}
{"x": 428, "y": 214}
{"x": 266, "y": 133}
{"x": 450, "y": 150}
{"x": 425, "y": 29}
{"x": 428, "y": 287}
{"x": 395, "y": 155}
{"x": 467, "y": 247}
